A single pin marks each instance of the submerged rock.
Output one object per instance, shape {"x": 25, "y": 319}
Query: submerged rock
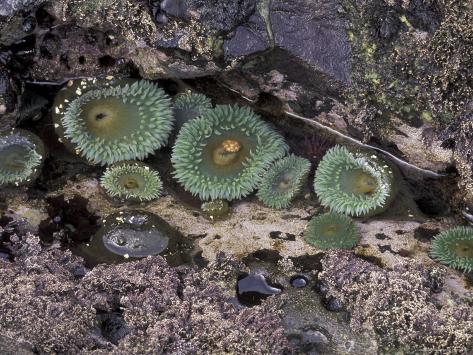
{"x": 132, "y": 234}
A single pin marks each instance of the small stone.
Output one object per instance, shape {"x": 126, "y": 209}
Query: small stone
{"x": 252, "y": 289}
{"x": 298, "y": 281}
{"x": 321, "y": 287}
{"x": 314, "y": 337}
{"x": 332, "y": 304}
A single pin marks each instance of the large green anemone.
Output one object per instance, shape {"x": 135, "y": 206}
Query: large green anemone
{"x": 189, "y": 105}
{"x": 454, "y": 248}
{"x": 283, "y": 181}
{"x": 21, "y": 156}
{"x": 223, "y": 153}
{"x": 356, "y": 184}
{"x": 332, "y": 231}
{"x": 119, "y": 120}
{"x": 132, "y": 181}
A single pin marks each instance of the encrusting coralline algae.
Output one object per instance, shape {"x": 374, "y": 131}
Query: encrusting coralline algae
{"x": 51, "y": 301}
{"x": 400, "y": 305}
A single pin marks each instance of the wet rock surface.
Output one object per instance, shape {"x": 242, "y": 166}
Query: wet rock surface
{"x": 159, "y": 308}
{"x": 402, "y": 306}
{"x": 396, "y": 75}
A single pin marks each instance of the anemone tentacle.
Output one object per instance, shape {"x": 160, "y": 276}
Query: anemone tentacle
{"x": 223, "y": 153}
{"x": 132, "y": 181}
{"x": 454, "y": 248}
{"x": 120, "y": 122}
{"x": 189, "y": 105}
{"x": 332, "y": 231}
{"x": 356, "y": 184}
{"x": 283, "y": 181}
{"x": 21, "y": 156}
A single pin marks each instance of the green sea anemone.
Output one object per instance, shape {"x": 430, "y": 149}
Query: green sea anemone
{"x": 116, "y": 121}
{"x": 132, "y": 181}
{"x": 354, "y": 183}
{"x": 283, "y": 181}
{"x": 454, "y": 248}
{"x": 332, "y": 231}
{"x": 21, "y": 156}
{"x": 223, "y": 153}
{"x": 188, "y": 106}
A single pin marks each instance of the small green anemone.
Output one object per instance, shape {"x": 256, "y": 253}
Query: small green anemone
{"x": 223, "y": 153}
{"x": 188, "y": 106}
{"x": 356, "y": 184}
{"x": 116, "y": 121}
{"x": 454, "y": 248}
{"x": 283, "y": 181}
{"x": 21, "y": 156}
{"x": 132, "y": 181}
{"x": 332, "y": 231}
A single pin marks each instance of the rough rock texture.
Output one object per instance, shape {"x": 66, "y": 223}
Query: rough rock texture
{"x": 250, "y": 226}
{"x": 179, "y": 313}
{"x": 463, "y": 139}
{"x": 399, "y": 304}
{"x": 38, "y": 303}
{"x": 385, "y": 60}
{"x": 8, "y": 100}
{"x": 51, "y": 301}
{"x": 10, "y": 7}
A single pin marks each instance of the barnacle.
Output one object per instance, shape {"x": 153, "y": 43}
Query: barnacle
{"x": 109, "y": 121}
{"x": 454, "y": 248}
{"x": 223, "y": 153}
{"x": 354, "y": 183}
{"x": 332, "y": 231}
{"x": 132, "y": 181}
{"x": 21, "y": 156}
{"x": 283, "y": 181}
{"x": 188, "y": 106}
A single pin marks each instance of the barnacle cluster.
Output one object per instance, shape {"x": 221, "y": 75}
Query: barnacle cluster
{"x": 454, "y": 248}
{"x": 106, "y": 122}
{"x": 21, "y": 156}
{"x": 283, "y": 181}
{"x": 332, "y": 231}
{"x": 356, "y": 184}
{"x": 223, "y": 153}
{"x": 132, "y": 181}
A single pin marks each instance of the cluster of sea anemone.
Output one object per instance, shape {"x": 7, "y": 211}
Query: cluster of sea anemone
{"x": 332, "y": 231}
{"x": 354, "y": 183}
{"x": 454, "y": 248}
{"x": 21, "y": 156}
{"x": 188, "y": 106}
{"x": 220, "y": 154}
{"x": 131, "y": 180}
{"x": 283, "y": 181}
{"x": 349, "y": 184}
{"x": 223, "y": 153}
{"x": 109, "y": 121}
